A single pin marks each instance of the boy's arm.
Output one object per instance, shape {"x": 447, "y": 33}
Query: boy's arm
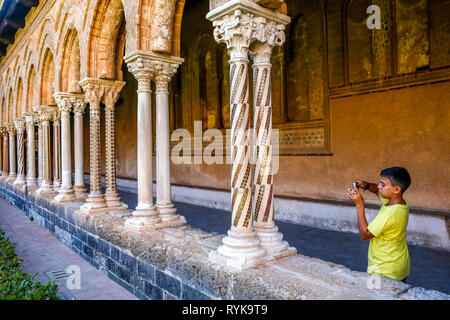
{"x": 372, "y": 187}
{"x": 355, "y": 195}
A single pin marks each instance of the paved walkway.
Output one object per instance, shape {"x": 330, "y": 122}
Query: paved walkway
{"x": 42, "y": 252}
{"x": 430, "y": 268}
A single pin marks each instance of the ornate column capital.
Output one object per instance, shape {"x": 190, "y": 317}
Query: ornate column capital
{"x": 163, "y": 73}
{"x": 93, "y": 90}
{"x": 19, "y": 124}
{"x": 3, "y": 131}
{"x": 45, "y": 112}
{"x": 148, "y": 66}
{"x": 238, "y": 23}
{"x": 11, "y": 128}
{"x": 56, "y": 116}
{"x": 111, "y": 92}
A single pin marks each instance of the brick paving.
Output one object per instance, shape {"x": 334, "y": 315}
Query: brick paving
{"x": 42, "y": 252}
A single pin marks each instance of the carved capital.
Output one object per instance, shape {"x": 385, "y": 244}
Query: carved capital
{"x": 45, "y": 112}
{"x": 3, "y": 131}
{"x": 30, "y": 119}
{"x": 163, "y": 72}
{"x": 64, "y": 102}
{"x": 112, "y": 92}
{"x": 240, "y": 23}
{"x": 11, "y": 128}
{"x": 93, "y": 90}
{"x": 79, "y": 105}
{"x": 56, "y": 116}
{"x": 19, "y": 123}
{"x": 142, "y": 72}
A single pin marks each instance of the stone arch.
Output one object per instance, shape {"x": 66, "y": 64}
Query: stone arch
{"x": 19, "y": 105}
{"x": 47, "y": 79}
{"x": 46, "y": 35}
{"x": 31, "y": 97}
{"x": 70, "y": 63}
{"x": 10, "y": 105}
{"x": 178, "y": 17}
{"x": 106, "y": 40}
{"x": 204, "y": 66}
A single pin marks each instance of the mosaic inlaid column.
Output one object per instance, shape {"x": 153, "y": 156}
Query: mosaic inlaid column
{"x": 145, "y": 215}
{"x": 56, "y": 150}
{"x": 45, "y": 115}
{"x": 12, "y": 152}
{"x": 4, "y": 135}
{"x": 66, "y": 193}
{"x": 111, "y": 94}
{"x": 30, "y": 119}
{"x": 20, "y": 130}
{"x": 78, "y": 111}
{"x": 93, "y": 91}
{"x": 241, "y": 247}
{"x": 38, "y": 123}
{"x": 163, "y": 73}
{"x": 265, "y": 226}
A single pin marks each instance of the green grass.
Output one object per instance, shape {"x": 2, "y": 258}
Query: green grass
{"x": 15, "y": 284}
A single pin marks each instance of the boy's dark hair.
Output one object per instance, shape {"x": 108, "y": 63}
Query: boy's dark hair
{"x": 398, "y": 177}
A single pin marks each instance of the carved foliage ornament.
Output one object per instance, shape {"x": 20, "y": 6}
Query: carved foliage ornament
{"x": 239, "y": 30}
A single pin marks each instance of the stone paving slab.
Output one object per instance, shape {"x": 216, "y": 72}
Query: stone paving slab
{"x": 42, "y": 252}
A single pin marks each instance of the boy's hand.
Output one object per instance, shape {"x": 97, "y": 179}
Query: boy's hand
{"x": 356, "y": 197}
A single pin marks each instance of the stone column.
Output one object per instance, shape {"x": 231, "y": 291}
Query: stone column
{"x": 1, "y": 153}
{"x": 145, "y": 215}
{"x": 46, "y": 114}
{"x": 163, "y": 73}
{"x": 94, "y": 90}
{"x": 4, "y": 134}
{"x": 38, "y": 123}
{"x": 111, "y": 94}
{"x": 20, "y": 129}
{"x": 78, "y": 111}
{"x": 12, "y": 152}
{"x": 56, "y": 149}
{"x": 66, "y": 193}
{"x": 265, "y": 226}
{"x": 30, "y": 119}
{"x": 241, "y": 248}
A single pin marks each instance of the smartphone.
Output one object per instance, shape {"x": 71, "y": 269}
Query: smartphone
{"x": 355, "y": 185}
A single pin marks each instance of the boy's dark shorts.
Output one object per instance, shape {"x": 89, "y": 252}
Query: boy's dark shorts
{"x": 404, "y": 280}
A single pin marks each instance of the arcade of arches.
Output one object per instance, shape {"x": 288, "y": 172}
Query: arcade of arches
{"x": 97, "y": 87}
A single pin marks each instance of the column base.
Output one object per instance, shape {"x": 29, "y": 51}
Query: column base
{"x": 94, "y": 204}
{"x": 168, "y": 213}
{"x": 145, "y": 217}
{"x": 80, "y": 192}
{"x": 113, "y": 201}
{"x": 240, "y": 250}
{"x": 11, "y": 178}
{"x": 56, "y": 185}
{"x": 45, "y": 189}
{"x": 66, "y": 194}
{"x": 20, "y": 181}
{"x": 272, "y": 241}
{"x": 32, "y": 183}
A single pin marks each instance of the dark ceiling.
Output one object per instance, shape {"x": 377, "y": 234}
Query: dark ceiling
{"x": 12, "y": 17}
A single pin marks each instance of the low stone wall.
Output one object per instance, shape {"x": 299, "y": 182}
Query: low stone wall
{"x": 173, "y": 263}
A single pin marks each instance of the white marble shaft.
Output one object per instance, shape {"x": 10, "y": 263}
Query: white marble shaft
{"x": 238, "y": 24}
{"x": 30, "y": 119}
{"x": 4, "y": 134}
{"x": 46, "y": 114}
{"x": 40, "y": 149}
{"x": 56, "y": 149}
{"x": 1, "y": 152}
{"x": 78, "y": 111}
{"x": 12, "y": 152}
{"x": 65, "y": 102}
{"x": 20, "y": 130}
{"x": 145, "y": 67}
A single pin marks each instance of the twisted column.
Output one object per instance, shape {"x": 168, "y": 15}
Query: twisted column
{"x": 241, "y": 247}
{"x": 78, "y": 111}
{"x": 66, "y": 193}
{"x": 4, "y": 136}
{"x": 12, "y": 152}
{"x": 111, "y": 94}
{"x": 45, "y": 116}
{"x": 20, "y": 129}
{"x": 265, "y": 226}
{"x": 56, "y": 149}
{"x": 94, "y": 91}
{"x": 30, "y": 119}
{"x": 163, "y": 73}
{"x": 145, "y": 215}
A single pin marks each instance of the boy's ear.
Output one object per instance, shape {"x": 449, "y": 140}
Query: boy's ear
{"x": 397, "y": 189}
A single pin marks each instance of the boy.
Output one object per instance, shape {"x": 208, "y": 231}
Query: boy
{"x": 388, "y": 253}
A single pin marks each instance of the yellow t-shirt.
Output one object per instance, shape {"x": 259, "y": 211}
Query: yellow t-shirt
{"x": 388, "y": 253}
